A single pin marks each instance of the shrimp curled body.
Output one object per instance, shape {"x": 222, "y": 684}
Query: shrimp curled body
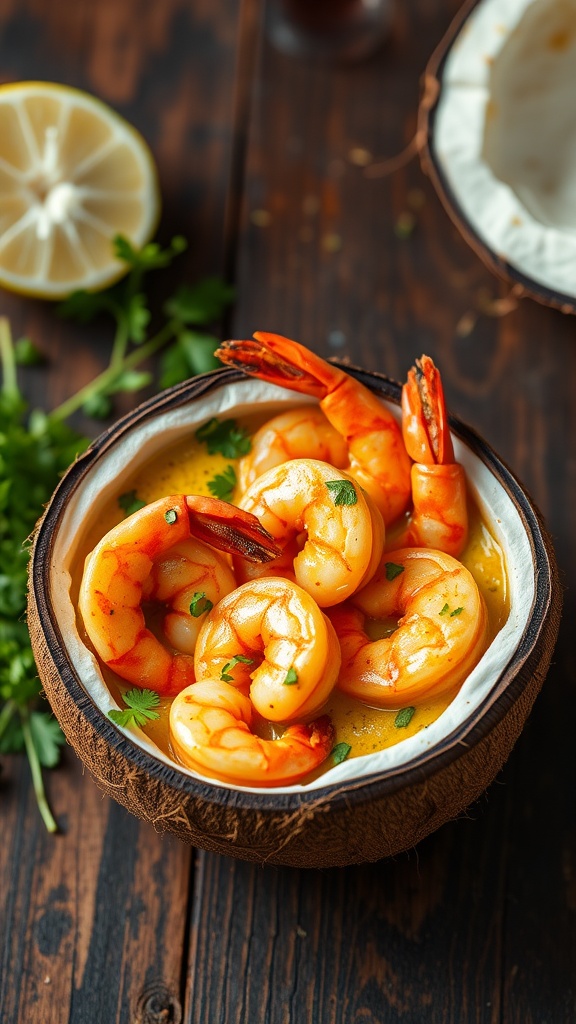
{"x": 441, "y": 634}
{"x": 269, "y": 637}
{"x": 327, "y": 523}
{"x": 210, "y": 729}
{"x": 369, "y": 434}
{"x": 150, "y": 556}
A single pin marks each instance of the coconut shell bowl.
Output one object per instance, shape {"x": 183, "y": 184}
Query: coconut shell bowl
{"x": 499, "y": 129}
{"x": 363, "y": 808}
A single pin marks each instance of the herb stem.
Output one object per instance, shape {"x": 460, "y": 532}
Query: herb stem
{"x": 36, "y": 771}
{"x": 6, "y": 715}
{"x": 120, "y": 344}
{"x": 10, "y": 383}
{"x": 100, "y": 382}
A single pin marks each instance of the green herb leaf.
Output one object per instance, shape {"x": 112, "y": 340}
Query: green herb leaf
{"x": 444, "y": 610}
{"x": 139, "y": 710}
{"x": 171, "y": 516}
{"x": 393, "y": 570}
{"x": 343, "y": 492}
{"x": 200, "y": 604}
{"x": 137, "y": 317}
{"x": 84, "y": 306}
{"x": 225, "y": 437}
{"x": 200, "y": 304}
{"x": 130, "y": 381}
{"x": 340, "y": 752}
{"x": 222, "y": 485}
{"x": 130, "y": 502}
{"x": 457, "y": 611}
{"x": 404, "y": 717}
{"x": 47, "y": 737}
{"x": 26, "y": 353}
{"x": 291, "y": 677}
{"x": 97, "y": 406}
{"x": 151, "y": 256}
{"x": 237, "y": 659}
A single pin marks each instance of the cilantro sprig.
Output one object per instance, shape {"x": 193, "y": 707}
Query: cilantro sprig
{"x": 188, "y": 351}
{"x": 139, "y": 710}
{"x": 37, "y": 447}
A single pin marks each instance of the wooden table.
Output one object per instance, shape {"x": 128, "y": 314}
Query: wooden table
{"x": 261, "y": 164}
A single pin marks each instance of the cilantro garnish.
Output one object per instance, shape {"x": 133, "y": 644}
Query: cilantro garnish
{"x": 224, "y": 437}
{"x": 139, "y": 710}
{"x": 237, "y": 659}
{"x": 130, "y": 502}
{"x": 446, "y": 611}
{"x": 171, "y": 516}
{"x": 200, "y": 604}
{"x": 340, "y": 752}
{"x": 392, "y": 570}
{"x": 404, "y": 717}
{"x": 291, "y": 677}
{"x": 343, "y": 492}
{"x": 222, "y": 484}
{"x": 36, "y": 449}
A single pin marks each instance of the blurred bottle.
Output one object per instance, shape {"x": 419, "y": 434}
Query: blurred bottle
{"x": 340, "y": 30}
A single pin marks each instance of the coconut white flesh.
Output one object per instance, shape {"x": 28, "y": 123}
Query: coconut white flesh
{"x": 103, "y": 482}
{"x": 505, "y": 134}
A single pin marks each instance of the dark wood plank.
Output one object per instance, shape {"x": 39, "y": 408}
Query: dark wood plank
{"x": 95, "y": 920}
{"x": 477, "y": 924}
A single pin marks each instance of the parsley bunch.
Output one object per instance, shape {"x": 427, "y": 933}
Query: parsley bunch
{"x": 36, "y": 448}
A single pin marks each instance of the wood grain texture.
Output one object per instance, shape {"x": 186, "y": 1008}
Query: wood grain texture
{"x": 95, "y": 920}
{"x": 478, "y": 924}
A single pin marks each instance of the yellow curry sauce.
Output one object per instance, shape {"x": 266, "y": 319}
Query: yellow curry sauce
{"x": 186, "y": 468}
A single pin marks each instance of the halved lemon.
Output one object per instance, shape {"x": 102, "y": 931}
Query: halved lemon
{"x": 73, "y": 174}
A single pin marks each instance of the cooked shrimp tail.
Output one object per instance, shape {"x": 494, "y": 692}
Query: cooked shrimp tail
{"x": 377, "y": 458}
{"x": 230, "y": 529}
{"x": 210, "y": 729}
{"x": 439, "y": 518}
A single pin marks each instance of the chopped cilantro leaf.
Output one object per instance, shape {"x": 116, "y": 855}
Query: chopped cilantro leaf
{"x": 130, "y": 502}
{"x": 343, "y": 492}
{"x": 200, "y": 604}
{"x": 225, "y": 437}
{"x": 444, "y": 610}
{"x": 222, "y": 485}
{"x": 291, "y": 677}
{"x": 171, "y": 516}
{"x": 140, "y": 709}
{"x": 393, "y": 570}
{"x": 237, "y": 659}
{"x": 404, "y": 717}
{"x": 457, "y": 611}
{"x": 340, "y": 752}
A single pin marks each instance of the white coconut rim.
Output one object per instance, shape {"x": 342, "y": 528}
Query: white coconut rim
{"x": 101, "y": 483}
{"x": 507, "y": 150}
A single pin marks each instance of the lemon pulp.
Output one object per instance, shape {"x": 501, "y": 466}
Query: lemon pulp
{"x": 73, "y": 175}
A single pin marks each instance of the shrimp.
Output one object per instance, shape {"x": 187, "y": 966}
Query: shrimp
{"x": 331, "y": 526}
{"x": 300, "y": 433}
{"x": 210, "y": 730}
{"x": 121, "y": 572}
{"x": 441, "y": 634}
{"x": 270, "y": 637}
{"x": 439, "y": 518}
{"x": 376, "y": 456}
